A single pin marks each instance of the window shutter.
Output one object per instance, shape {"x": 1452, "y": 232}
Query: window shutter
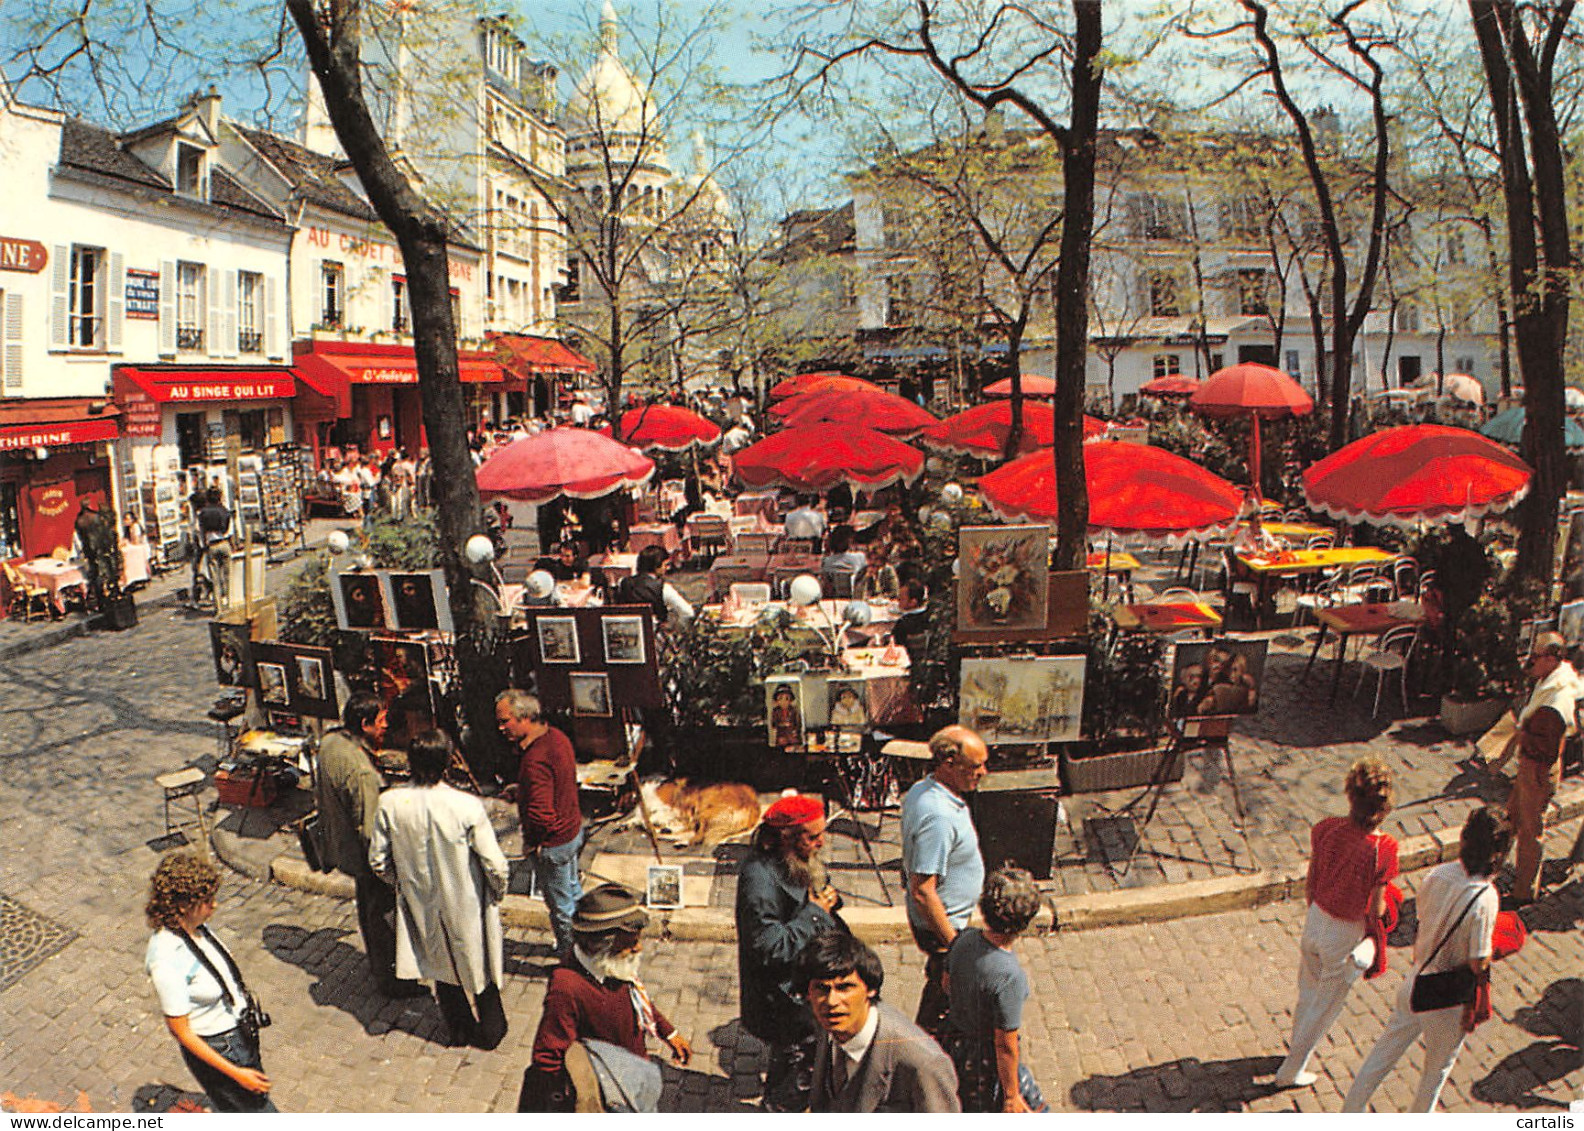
{"x": 60, "y": 298}
{"x": 228, "y": 329}
{"x": 116, "y": 308}
{"x": 216, "y": 315}
{"x": 272, "y": 316}
{"x": 167, "y": 292}
{"x": 12, "y": 357}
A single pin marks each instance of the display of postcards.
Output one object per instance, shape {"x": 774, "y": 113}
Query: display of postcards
{"x": 402, "y": 683}
{"x": 232, "y": 645}
{"x": 1570, "y": 623}
{"x": 1003, "y": 577}
{"x": 624, "y": 639}
{"x": 591, "y": 694}
{"x": 558, "y": 640}
{"x": 417, "y": 602}
{"x": 1573, "y": 557}
{"x": 663, "y": 889}
{"x": 784, "y": 711}
{"x": 359, "y": 603}
{"x": 274, "y": 689}
{"x": 1217, "y": 677}
{"x": 1022, "y": 700}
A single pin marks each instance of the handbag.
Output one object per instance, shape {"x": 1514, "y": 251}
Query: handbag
{"x": 251, "y": 1017}
{"x": 1450, "y": 987}
{"x": 309, "y": 832}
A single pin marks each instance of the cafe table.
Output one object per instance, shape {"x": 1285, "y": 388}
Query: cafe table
{"x": 1296, "y": 563}
{"x": 761, "y": 503}
{"x": 662, "y": 534}
{"x": 784, "y": 567}
{"x": 1115, "y": 562}
{"x": 55, "y": 576}
{"x": 615, "y": 566}
{"x": 729, "y": 568}
{"x": 1365, "y": 619}
{"x": 1167, "y": 616}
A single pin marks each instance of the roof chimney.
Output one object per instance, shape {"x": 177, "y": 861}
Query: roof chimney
{"x": 207, "y": 105}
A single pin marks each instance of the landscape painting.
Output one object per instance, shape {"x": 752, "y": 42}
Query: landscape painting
{"x": 1022, "y": 700}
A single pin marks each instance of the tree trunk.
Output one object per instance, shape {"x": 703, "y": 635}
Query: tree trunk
{"x": 333, "y": 45}
{"x": 1014, "y": 439}
{"x": 1072, "y": 287}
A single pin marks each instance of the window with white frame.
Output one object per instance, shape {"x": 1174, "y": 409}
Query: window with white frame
{"x": 332, "y": 294}
{"x": 10, "y": 341}
{"x": 190, "y": 301}
{"x": 85, "y": 325}
{"x": 250, "y": 312}
{"x": 399, "y": 317}
{"x": 1165, "y": 364}
{"x": 1293, "y": 369}
{"x": 189, "y": 169}
{"x": 1163, "y": 294}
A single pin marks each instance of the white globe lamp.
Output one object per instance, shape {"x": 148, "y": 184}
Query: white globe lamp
{"x": 479, "y": 549}
{"x": 540, "y": 584}
{"x": 858, "y": 613}
{"x": 951, "y": 494}
{"x": 338, "y": 542}
{"x": 804, "y": 590}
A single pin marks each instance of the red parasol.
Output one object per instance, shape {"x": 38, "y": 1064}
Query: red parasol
{"x": 1170, "y": 385}
{"x": 816, "y": 459}
{"x": 808, "y": 382}
{"x": 666, "y": 426}
{"x": 1257, "y": 392}
{"x": 864, "y": 408}
{"x": 1134, "y": 489}
{"x": 982, "y": 430}
{"x": 1417, "y": 473}
{"x": 562, "y": 461}
{"x": 1033, "y": 386}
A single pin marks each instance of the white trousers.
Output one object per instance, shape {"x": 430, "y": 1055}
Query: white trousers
{"x": 1326, "y": 971}
{"x": 1443, "y": 1035}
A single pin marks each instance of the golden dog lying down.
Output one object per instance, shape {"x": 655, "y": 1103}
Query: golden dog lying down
{"x": 692, "y": 814}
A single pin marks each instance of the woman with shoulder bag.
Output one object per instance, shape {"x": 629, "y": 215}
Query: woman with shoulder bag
{"x": 1350, "y": 865}
{"x": 1446, "y": 996}
{"x": 205, "y": 1001}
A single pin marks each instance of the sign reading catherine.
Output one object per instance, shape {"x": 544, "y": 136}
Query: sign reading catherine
{"x": 142, "y": 293}
{"x": 22, "y": 255}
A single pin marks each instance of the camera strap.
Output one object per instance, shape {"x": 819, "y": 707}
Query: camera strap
{"x": 208, "y": 964}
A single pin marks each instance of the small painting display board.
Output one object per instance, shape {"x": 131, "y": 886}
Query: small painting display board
{"x": 1066, "y": 614}
{"x": 1022, "y": 700}
{"x": 592, "y": 662}
{"x": 359, "y": 600}
{"x": 296, "y": 678}
{"x": 232, "y": 645}
{"x": 1217, "y": 677}
{"x": 402, "y": 667}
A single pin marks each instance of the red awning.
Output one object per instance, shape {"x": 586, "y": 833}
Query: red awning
{"x": 526, "y": 355}
{"x": 181, "y": 384}
{"x": 53, "y": 422}
{"x": 331, "y": 368}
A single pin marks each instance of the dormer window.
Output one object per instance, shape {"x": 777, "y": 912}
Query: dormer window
{"x": 189, "y": 169}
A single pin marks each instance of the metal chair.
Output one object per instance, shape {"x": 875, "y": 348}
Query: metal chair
{"x": 1405, "y": 577}
{"x": 841, "y": 584}
{"x": 183, "y": 785}
{"x": 1320, "y": 541}
{"x": 1390, "y": 654}
{"x": 1326, "y": 593}
{"x": 1178, "y": 593}
{"x": 750, "y": 592}
{"x": 710, "y": 535}
{"x": 27, "y": 594}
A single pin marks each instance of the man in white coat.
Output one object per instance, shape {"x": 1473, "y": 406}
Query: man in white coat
{"x": 436, "y": 845}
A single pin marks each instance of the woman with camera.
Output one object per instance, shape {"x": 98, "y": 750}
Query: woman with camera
{"x": 205, "y": 1001}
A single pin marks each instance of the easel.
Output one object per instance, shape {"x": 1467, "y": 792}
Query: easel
{"x": 1192, "y": 730}
{"x": 832, "y": 772}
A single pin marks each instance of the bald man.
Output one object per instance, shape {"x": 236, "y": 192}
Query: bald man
{"x": 940, "y": 859}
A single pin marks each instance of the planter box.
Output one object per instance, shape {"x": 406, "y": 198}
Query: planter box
{"x": 1476, "y": 717}
{"x": 1128, "y": 769}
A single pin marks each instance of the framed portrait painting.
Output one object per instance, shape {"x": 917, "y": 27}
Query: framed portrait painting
{"x": 359, "y": 602}
{"x": 784, "y": 713}
{"x": 274, "y": 686}
{"x": 232, "y": 645}
{"x": 1217, "y": 677}
{"x": 1003, "y": 578}
{"x": 663, "y": 889}
{"x": 417, "y": 601}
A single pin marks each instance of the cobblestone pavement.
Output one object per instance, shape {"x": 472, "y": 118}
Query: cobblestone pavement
{"x": 1171, "y": 1016}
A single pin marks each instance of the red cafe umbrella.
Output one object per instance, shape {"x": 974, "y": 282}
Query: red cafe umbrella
{"x": 1134, "y": 489}
{"x": 562, "y": 461}
{"x": 816, "y": 459}
{"x": 863, "y": 408}
{"x": 982, "y": 430}
{"x": 1417, "y": 473}
{"x": 807, "y": 382}
{"x": 1033, "y": 386}
{"x": 1170, "y": 385}
{"x": 666, "y": 426}
{"x": 1257, "y": 392}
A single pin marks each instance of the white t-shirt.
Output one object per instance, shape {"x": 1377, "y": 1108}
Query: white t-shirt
{"x": 188, "y": 990}
{"x": 1441, "y": 899}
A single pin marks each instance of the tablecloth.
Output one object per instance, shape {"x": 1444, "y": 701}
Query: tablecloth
{"x": 56, "y": 576}
{"x": 134, "y": 562}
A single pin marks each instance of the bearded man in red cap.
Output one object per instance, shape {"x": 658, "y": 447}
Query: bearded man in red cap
{"x": 783, "y": 902}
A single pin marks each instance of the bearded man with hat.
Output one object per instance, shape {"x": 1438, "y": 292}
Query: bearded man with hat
{"x": 595, "y": 994}
{"x": 784, "y": 901}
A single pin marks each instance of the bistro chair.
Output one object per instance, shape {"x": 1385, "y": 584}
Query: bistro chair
{"x": 1405, "y": 576}
{"x": 841, "y": 584}
{"x": 1320, "y": 541}
{"x": 1365, "y": 583}
{"x": 30, "y": 596}
{"x": 750, "y": 592}
{"x": 1178, "y": 594}
{"x": 710, "y": 535}
{"x": 1390, "y": 654}
{"x": 1327, "y": 592}
{"x": 1297, "y": 514}
{"x": 180, "y": 786}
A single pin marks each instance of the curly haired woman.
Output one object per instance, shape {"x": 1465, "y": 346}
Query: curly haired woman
{"x": 1350, "y": 864}
{"x": 200, "y": 990}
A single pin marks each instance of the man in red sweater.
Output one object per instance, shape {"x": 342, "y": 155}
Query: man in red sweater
{"x": 547, "y": 806}
{"x": 596, "y": 994}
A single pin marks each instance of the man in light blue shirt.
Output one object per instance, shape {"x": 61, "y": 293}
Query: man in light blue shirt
{"x": 940, "y": 859}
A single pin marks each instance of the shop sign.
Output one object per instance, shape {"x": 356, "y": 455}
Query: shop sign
{"x": 386, "y": 377}
{"x": 255, "y": 390}
{"x": 140, "y": 415}
{"x": 22, "y": 255}
{"x": 142, "y": 294}
{"x": 52, "y": 502}
{"x": 56, "y": 435}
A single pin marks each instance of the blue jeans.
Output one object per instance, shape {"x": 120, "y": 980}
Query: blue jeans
{"x": 223, "y": 1092}
{"x": 556, "y": 873}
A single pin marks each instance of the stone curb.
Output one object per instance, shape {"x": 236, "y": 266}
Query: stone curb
{"x": 59, "y": 634}
{"x": 889, "y": 924}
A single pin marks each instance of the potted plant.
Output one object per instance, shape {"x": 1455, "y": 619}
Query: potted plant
{"x": 1124, "y": 715}
{"x": 1484, "y": 668}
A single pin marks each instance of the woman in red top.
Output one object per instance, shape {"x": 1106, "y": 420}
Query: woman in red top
{"x": 1350, "y": 865}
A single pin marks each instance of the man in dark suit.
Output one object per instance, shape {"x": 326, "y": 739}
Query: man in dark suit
{"x": 868, "y": 1057}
